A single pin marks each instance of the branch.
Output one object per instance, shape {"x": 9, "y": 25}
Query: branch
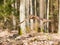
{"x": 35, "y": 17}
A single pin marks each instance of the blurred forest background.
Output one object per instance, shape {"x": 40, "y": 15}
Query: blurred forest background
{"x": 16, "y": 14}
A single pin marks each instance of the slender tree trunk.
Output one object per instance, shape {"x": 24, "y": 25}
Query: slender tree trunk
{"x": 59, "y": 19}
{"x": 41, "y": 14}
{"x": 27, "y": 15}
{"x": 31, "y": 13}
{"x": 36, "y": 22}
{"x": 5, "y": 18}
{"x": 4, "y": 11}
{"x": 42, "y": 8}
{"x": 22, "y": 16}
{"x": 18, "y": 14}
{"x": 47, "y": 15}
{"x": 13, "y": 17}
{"x": 51, "y": 13}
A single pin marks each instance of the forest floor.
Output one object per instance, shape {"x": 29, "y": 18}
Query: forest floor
{"x": 29, "y": 39}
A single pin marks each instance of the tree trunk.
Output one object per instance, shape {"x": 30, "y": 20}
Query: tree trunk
{"x": 59, "y": 19}
{"x": 22, "y": 16}
{"x": 41, "y": 14}
{"x": 51, "y": 14}
{"x": 47, "y": 15}
{"x": 4, "y": 11}
{"x": 31, "y": 13}
{"x": 27, "y": 15}
{"x": 5, "y": 19}
{"x": 36, "y": 22}
{"x": 13, "y": 17}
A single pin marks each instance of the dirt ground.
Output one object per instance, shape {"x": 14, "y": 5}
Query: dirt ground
{"x": 13, "y": 38}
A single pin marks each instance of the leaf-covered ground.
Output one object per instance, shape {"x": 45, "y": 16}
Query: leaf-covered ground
{"x": 13, "y": 38}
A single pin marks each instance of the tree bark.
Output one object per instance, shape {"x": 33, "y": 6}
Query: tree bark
{"x": 36, "y": 22}
{"x": 27, "y": 15}
{"x": 22, "y": 16}
{"x": 31, "y": 13}
{"x": 47, "y": 15}
{"x": 59, "y": 19}
{"x": 51, "y": 13}
{"x": 13, "y": 15}
{"x": 41, "y": 14}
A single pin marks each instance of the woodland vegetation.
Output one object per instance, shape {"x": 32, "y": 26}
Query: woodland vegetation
{"x": 29, "y": 22}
